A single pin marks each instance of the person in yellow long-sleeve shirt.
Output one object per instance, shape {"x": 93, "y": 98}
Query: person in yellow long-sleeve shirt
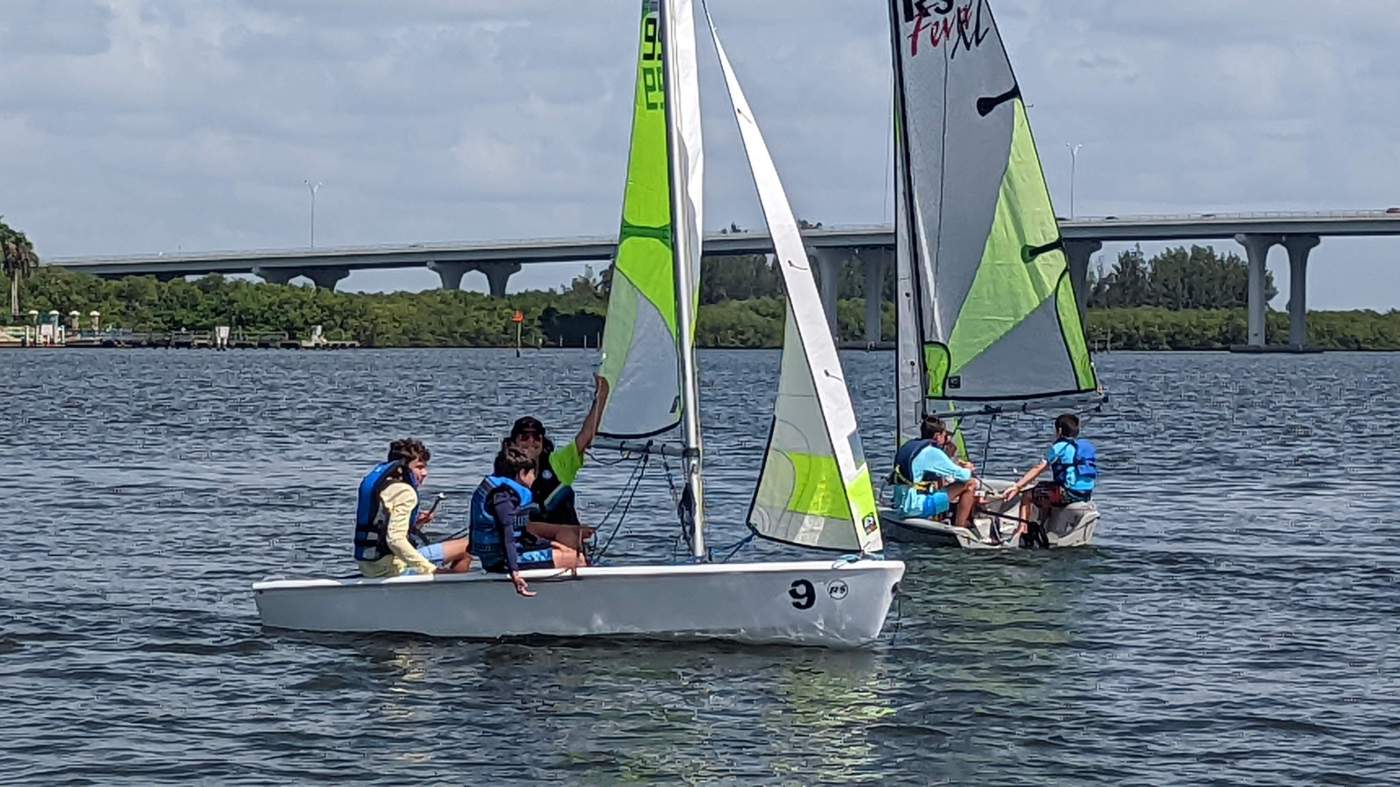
{"x": 388, "y": 537}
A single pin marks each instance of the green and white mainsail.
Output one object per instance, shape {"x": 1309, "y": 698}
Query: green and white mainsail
{"x": 641, "y": 357}
{"x": 986, "y": 304}
{"x": 815, "y": 488}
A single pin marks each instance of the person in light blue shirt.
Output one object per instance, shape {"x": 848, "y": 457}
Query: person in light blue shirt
{"x": 1073, "y": 463}
{"x": 928, "y": 482}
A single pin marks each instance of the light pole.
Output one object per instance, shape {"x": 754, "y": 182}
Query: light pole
{"x": 1073, "y": 165}
{"x": 313, "y": 188}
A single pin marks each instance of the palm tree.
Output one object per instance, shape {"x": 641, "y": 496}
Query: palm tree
{"x": 17, "y": 259}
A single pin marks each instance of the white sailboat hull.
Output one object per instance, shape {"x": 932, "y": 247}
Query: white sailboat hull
{"x": 1072, "y": 526}
{"x": 833, "y": 604}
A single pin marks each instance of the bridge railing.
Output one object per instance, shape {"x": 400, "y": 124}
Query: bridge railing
{"x": 1393, "y": 213}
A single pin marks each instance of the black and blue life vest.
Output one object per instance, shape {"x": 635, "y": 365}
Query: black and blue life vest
{"x": 372, "y": 521}
{"x": 904, "y": 461}
{"x": 555, "y": 499}
{"x": 488, "y": 535}
{"x": 1085, "y": 466}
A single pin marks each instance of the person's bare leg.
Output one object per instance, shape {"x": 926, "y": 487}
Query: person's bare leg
{"x": 1024, "y": 514}
{"x": 967, "y": 500}
{"x": 571, "y": 536}
{"x": 456, "y": 556}
{"x": 1044, "y": 520}
{"x": 567, "y": 557}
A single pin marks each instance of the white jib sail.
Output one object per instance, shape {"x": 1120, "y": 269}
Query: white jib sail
{"x": 687, "y": 145}
{"x": 814, "y": 489}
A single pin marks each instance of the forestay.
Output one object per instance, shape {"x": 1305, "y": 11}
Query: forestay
{"x": 641, "y": 356}
{"x": 814, "y": 489}
{"x": 985, "y": 291}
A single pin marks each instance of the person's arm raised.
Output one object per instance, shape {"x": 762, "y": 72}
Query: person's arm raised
{"x": 589, "y": 429}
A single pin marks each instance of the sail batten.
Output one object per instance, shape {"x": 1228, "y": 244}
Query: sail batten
{"x": 814, "y": 488}
{"x": 992, "y": 304}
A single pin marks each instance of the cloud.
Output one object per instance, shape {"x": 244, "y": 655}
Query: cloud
{"x": 30, "y": 27}
{"x": 147, "y": 125}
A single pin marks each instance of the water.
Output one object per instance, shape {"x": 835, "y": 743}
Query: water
{"x": 1235, "y": 623}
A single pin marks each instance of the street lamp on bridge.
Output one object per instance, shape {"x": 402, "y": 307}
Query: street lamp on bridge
{"x": 1073, "y": 165}
{"x": 313, "y": 188}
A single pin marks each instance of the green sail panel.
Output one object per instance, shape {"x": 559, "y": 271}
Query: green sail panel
{"x": 640, "y": 356}
{"x": 993, "y": 305}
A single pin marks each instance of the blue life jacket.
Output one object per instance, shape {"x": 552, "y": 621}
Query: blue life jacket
{"x": 904, "y": 461}
{"x": 1084, "y": 464}
{"x": 372, "y": 521}
{"x": 488, "y": 535}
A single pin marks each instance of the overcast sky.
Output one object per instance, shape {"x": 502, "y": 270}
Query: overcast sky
{"x": 157, "y": 125}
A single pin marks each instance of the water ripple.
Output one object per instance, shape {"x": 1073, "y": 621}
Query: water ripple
{"x": 1236, "y": 622}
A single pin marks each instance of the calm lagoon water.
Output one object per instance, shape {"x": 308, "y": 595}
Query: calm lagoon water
{"x": 1238, "y": 620}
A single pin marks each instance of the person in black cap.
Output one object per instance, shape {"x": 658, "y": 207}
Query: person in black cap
{"x": 557, "y": 469}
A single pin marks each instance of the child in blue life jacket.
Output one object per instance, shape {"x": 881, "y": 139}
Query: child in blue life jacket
{"x": 502, "y": 507}
{"x": 1074, "y": 464}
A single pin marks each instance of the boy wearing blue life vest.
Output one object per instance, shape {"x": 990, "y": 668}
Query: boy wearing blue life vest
{"x": 929, "y": 480}
{"x": 502, "y": 507}
{"x": 1073, "y": 463}
{"x": 389, "y": 539}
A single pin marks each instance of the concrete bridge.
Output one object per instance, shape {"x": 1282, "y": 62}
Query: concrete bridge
{"x": 830, "y": 248}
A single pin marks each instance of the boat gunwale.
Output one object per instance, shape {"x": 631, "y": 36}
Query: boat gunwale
{"x": 595, "y": 572}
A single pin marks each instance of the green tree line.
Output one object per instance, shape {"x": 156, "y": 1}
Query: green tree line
{"x": 1151, "y": 328}
{"x": 1199, "y": 278}
{"x": 573, "y": 315}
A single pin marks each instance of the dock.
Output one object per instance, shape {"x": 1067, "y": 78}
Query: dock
{"x": 218, "y": 339}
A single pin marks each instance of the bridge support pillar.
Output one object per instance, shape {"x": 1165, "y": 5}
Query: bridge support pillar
{"x": 1078, "y": 253}
{"x": 498, "y": 275}
{"x": 877, "y": 266}
{"x": 1298, "y": 246}
{"x": 167, "y": 277}
{"x": 1257, "y": 249}
{"x": 326, "y": 278}
{"x": 826, "y": 266}
{"x": 451, "y": 273}
{"x": 276, "y": 275}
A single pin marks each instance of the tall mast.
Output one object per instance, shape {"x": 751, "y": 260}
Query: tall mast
{"x": 685, "y": 313}
{"x": 909, "y": 364}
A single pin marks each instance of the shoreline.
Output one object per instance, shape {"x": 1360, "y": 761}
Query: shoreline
{"x": 1279, "y": 349}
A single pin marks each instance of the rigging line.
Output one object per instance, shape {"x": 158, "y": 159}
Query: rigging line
{"x": 675, "y": 503}
{"x": 987, "y": 446}
{"x": 942, "y": 201}
{"x": 623, "y": 456}
{"x": 629, "y": 491}
{"x": 743, "y": 542}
